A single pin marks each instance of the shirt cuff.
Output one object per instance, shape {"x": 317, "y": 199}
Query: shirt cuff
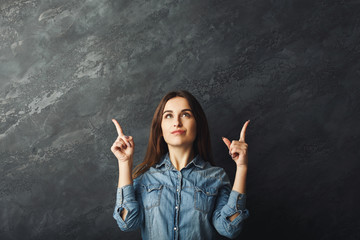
{"x": 237, "y": 201}
{"x": 236, "y": 204}
{"x": 122, "y": 224}
{"x": 125, "y": 194}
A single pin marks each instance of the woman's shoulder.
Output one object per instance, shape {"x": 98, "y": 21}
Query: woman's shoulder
{"x": 213, "y": 171}
{"x": 209, "y": 167}
{"x": 138, "y": 179}
{"x": 144, "y": 178}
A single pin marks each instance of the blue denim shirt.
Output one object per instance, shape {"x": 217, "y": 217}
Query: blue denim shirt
{"x": 188, "y": 204}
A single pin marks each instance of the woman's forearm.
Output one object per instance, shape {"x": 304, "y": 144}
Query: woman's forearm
{"x": 125, "y": 176}
{"x": 239, "y": 184}
{"x": 240, "y": 179}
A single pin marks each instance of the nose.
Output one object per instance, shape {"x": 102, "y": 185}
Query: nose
{"x": 177, "y": 122}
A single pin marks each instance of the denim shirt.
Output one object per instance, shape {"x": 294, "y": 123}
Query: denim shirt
{"x": 191, "y": 203}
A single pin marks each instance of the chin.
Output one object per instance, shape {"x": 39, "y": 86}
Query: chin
{"x": 179, "y": 143}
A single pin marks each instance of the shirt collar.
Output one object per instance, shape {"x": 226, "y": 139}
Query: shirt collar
{"x": 197, "y": 161}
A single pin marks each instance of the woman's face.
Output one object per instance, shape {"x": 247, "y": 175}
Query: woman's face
{"x": 177, "y": 115}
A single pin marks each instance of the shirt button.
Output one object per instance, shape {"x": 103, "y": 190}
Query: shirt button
{"x": 175, "y": 228}
{"x": 177, "y": 190}
{"x": 176, "y": 207}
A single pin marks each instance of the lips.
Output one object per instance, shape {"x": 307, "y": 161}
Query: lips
{"x": 178, "y": 132}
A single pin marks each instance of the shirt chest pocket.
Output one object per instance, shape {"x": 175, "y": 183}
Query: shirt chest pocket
{"x": 151, "y": 195}
{"x": 204, "y": 198}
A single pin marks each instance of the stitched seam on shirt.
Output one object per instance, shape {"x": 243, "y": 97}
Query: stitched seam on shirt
{"x": 158, "y": 200}
{"x": 155, "y": 170}
{"x": 208, "y": 197}
{"x": 203, "y": 174}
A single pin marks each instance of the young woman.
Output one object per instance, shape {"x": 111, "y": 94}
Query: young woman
{"x": 177, "y": 192}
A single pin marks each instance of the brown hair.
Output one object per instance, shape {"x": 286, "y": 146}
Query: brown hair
{"x": 157, "y": 146}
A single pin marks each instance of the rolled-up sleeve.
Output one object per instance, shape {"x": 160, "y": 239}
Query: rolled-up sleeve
{"x": 228, "y": 203}
{"x": 125, "y": 198}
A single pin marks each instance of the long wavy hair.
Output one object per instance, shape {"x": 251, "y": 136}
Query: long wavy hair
{"x": 157, "y": 146}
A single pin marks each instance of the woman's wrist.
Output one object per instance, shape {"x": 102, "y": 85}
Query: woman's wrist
{"x": 242, "y": 167}
{"x": 128, "y": 163}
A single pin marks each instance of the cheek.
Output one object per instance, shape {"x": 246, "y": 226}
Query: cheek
{"x": 164, "y": 128}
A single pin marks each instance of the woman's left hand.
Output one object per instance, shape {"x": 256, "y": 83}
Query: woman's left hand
{"x": 238, "y": 149}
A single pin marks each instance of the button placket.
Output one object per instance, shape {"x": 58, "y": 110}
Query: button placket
{"x": 178, "y": 188}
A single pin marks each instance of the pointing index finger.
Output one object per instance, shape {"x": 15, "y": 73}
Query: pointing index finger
{"x": 242, "y": 134}
{"x": 118, "y": 128}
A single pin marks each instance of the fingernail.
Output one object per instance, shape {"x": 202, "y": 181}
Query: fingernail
{"x": 126, "y": 137}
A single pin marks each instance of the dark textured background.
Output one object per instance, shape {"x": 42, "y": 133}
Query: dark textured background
{"x": 68, "y": 67}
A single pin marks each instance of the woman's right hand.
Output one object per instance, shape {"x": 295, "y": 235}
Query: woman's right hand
{"x": 123, "y": 147}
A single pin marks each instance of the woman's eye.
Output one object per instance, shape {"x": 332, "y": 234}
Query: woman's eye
{"x": 183, "y": 114}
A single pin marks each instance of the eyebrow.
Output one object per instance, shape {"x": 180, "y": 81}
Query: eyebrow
{"x": 181, "y": 110}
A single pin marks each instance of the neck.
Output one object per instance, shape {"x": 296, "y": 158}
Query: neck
{"x": 180, "y": 156}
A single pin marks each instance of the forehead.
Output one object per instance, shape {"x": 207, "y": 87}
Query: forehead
{"x": 176, "y": 103}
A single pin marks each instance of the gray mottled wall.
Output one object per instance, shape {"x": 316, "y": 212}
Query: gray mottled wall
{"x": 68, "y": 67}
